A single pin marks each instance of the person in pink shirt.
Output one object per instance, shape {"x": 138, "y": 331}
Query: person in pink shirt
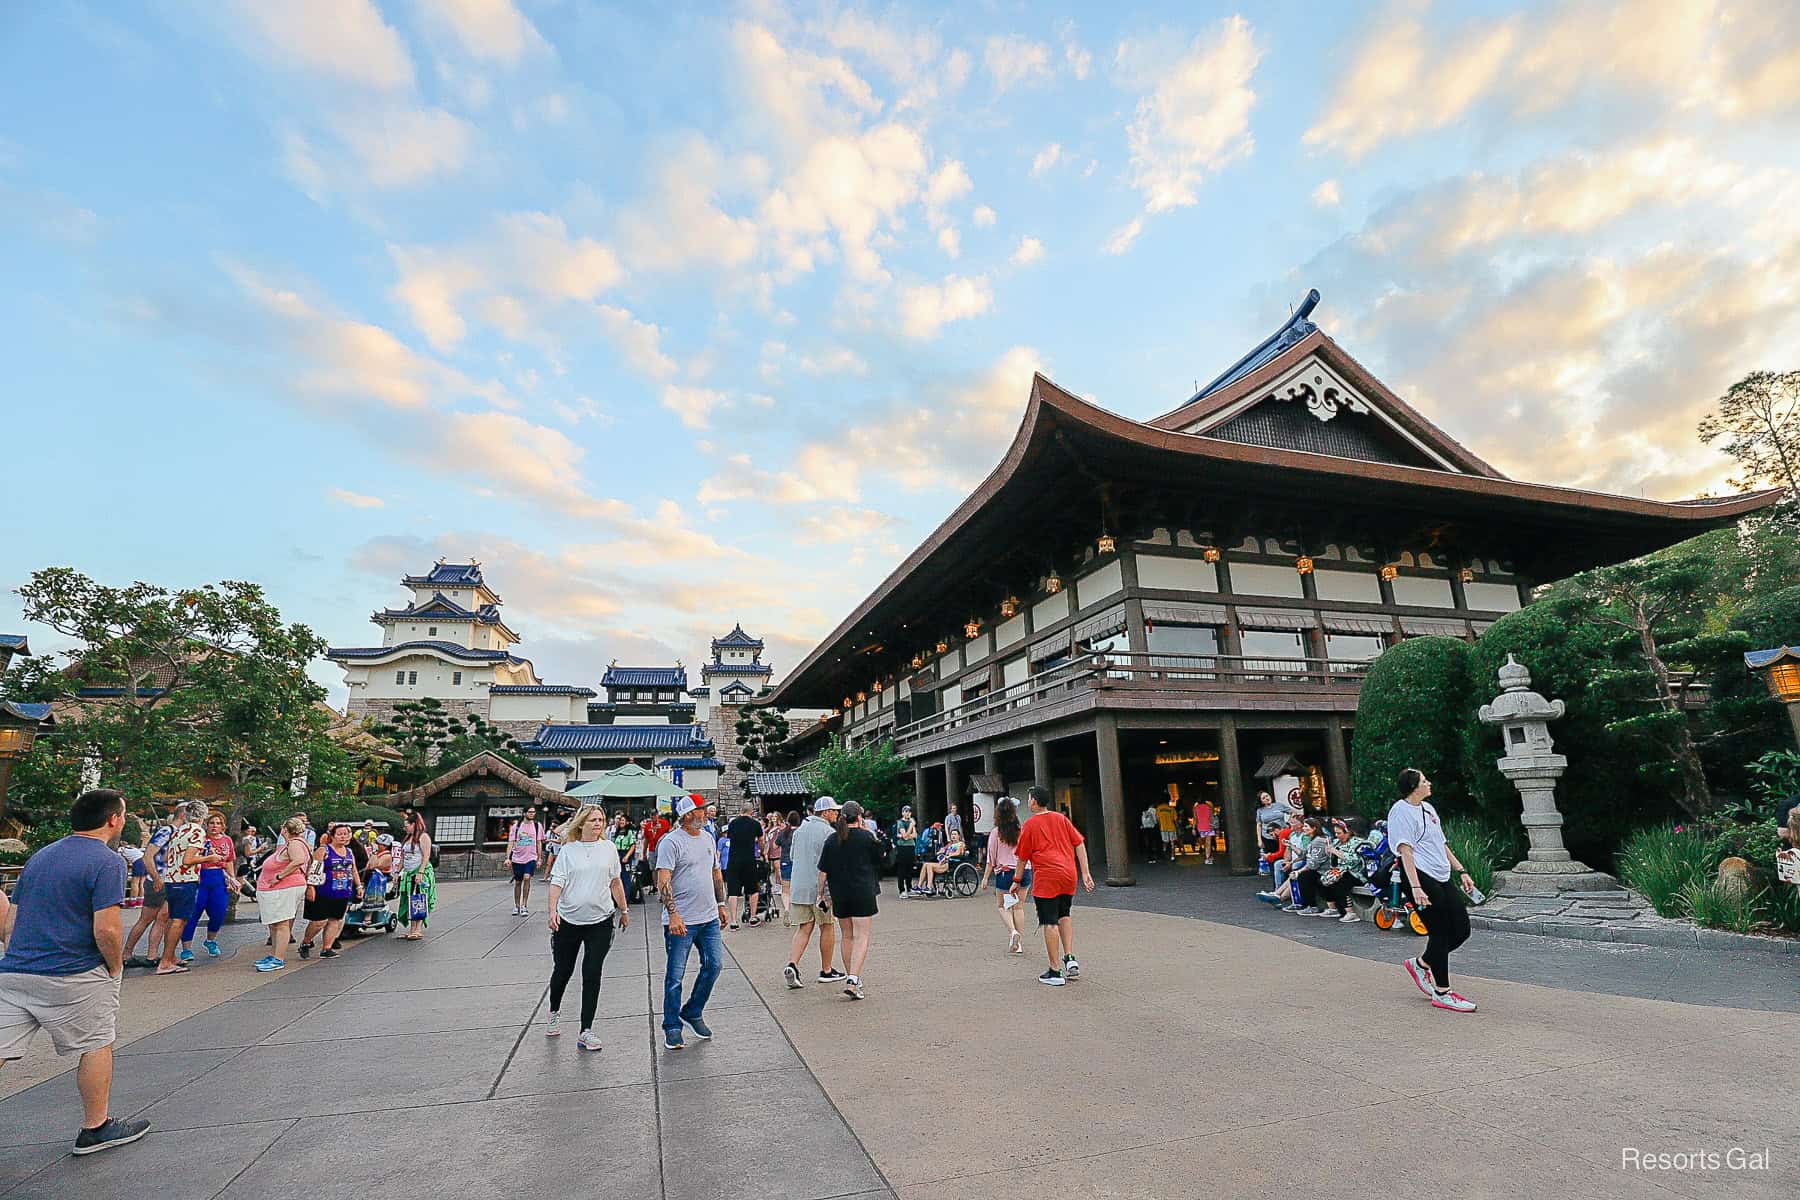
{"x": 524, "y": 850}
{"x": 1002, "y": 862}
{"x": 1203, "y": 827}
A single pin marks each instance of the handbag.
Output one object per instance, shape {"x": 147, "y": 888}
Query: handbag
{"x": 315, "y": 873}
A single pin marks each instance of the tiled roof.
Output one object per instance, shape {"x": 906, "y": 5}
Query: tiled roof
{"x": 1291, "y": 331}
{"x": 539, "y": 689}
{"x": 700, "y": 691}
{"x": 440, "y": 606}
{"x": 694, "y": 764}
{"x": 718, "y": 668}
{"x": 652, "y": 738}
{"x": 445, "y": 574}
{"x": 15, "y": 642}
{"x": 25, "y": 712}
{"x": 553, "y": 764}
{"x": 737, "y": 637}
{"x": 1756, "y": 660}
{"x": 448, "y": 649}
{"x": 109, "y": 693}
{"x": 736, "y": 686}
{"x": 675, "y": 677}
{"x": 778, "y": 783}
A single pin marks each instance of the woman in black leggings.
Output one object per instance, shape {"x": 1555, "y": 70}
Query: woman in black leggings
{"x": 586, "y": 892}
{"x": 1417, "y": 835}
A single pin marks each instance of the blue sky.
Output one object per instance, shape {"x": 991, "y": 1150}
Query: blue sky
{"x": 676, "y": 317}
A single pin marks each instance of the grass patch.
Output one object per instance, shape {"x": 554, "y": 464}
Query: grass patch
{"x": 1663, "y": 862}
{"x": 1483, "y": 848}
{"x": 1716, "y": 906}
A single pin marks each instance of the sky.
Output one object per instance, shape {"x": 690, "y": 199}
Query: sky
{"x": 676, "y": 316}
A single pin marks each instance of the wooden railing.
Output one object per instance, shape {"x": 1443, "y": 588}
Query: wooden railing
{"x": 1174, "y": 672}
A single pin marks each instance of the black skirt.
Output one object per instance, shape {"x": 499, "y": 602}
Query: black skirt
{"x": 853, "y": 904}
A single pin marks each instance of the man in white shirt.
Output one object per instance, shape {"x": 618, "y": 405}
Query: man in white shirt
{"x": 807, "y": 905}
{"x": 1417, "y": 836}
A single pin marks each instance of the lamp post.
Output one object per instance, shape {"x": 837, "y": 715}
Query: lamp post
{"x": 18, "y": 730}
{"x": 1780, "y": 668}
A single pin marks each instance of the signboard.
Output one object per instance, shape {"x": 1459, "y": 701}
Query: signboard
{"x": 984, "y": 812}
{"x": 1171, "y": 758}
{"x": 1787, "y": 866}
{"x": 508, "y": 810}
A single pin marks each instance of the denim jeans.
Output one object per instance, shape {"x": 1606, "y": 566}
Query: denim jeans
{"x": 712, "y": 949}
{"x": 1280, "y": 874}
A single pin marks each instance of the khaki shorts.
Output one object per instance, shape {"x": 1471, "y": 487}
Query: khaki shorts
{"x": 807, "y": 914}
{"x": 279, "y": 904}
{"x": 79, "y": 1012}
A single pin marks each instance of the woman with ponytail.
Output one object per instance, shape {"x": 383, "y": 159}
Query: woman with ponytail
{"x": 851, "y": 866}
{"x": 1002, "y": 862}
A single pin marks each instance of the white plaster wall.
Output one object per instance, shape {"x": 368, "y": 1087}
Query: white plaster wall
{"x": 1107, "y": 581}
{"x": 1427, "y": 593}
{"x": 1348, "y": 585}
{"x": 560, "y": 710}
{"x": 434, "y": 680}
{"x": 1008, "y": 633}
{"x": 1492, "y": 597}
{"x": 1015, "y": 670}
{"x": 1177, "y": 574}
{"x": 1050, "y": 610}
{"x": 1265, "y": 579}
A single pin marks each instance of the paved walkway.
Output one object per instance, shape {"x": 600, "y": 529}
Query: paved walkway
{"x": 329, "y": 1079}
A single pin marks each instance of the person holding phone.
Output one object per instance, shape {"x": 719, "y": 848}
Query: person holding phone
{"x": 1417, "y": 836}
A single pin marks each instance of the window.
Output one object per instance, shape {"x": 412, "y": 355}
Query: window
{"x": 1352, "y": 648}
{"x": 1272, "y": 643}
{"x": 454, "y": 829}
{"x": 400, "y": 677}
{"x": 412, "y": 677}
{"x": 456, "y": 678}
{"x": 1186, "y": 650}
{"x": 431, "y": 632}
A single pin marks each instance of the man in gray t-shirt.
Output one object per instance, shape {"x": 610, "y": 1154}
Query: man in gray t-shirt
{"x": 692, "y": 890}
{"x": 806, "y": 907}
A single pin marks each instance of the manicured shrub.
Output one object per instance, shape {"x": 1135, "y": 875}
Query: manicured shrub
{"x": 1412, "y": 711}
{"x": 1662, "y": 862}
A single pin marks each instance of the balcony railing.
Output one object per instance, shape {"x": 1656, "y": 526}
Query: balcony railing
{"x": 1157, "y": 672}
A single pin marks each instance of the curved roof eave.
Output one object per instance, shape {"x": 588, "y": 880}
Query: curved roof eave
{"x": 1050, "y": 403}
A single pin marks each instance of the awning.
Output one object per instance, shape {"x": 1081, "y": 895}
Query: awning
{"x": 992, "y": 785}
{"x": 1278, "y": 764}
{"x": 1101, "y": 625}
{"x": 1433, "y": 627}
{"x": 1357, "y": 623}
{"x": 1183, "y": 612}
{"x": 1274, "y": 618}
{"x": 1048, "y": 648}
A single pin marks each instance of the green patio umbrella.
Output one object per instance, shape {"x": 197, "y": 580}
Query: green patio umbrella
{"x": 629, "y": 782}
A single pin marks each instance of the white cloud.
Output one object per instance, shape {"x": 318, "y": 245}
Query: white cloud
{"x": 1080, "y": 61}
{"x": 682, "y": 222}
{"x": 344, "y": 40}
{"x": 527, "y": 253}
{"x": 795, "y": 89}
{"x": 949, "y": 241}
{"x": 1122, "y": 238}
{"x": 1030, "y": 250}
{"x": 841, "y": 524}
{"x": 401, "y": 146}
{"x": 1195, "y": 118}
{"x": 926, "y": 308}
{"x": 847, "y": 187}
{"x": 357, "y": 499}
{"x": 693, "y": 405}
{"x": 638, "y": 342}
{"x": 837, "y": 361}
{"x": 984, "y": 216}
{"x": 489, "y": 29}
{"x": 1326, "y": 195}
{"x": 1015, "y": 59}
{"x": 1046, "y": 158}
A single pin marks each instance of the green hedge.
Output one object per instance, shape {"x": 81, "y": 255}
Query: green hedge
{"x": 1411, "y": 714}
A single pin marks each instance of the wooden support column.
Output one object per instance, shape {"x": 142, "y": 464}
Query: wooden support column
{"x": 918, "y": 793}
{"x": 1040, "y": 766}
{"x": 949, "y": 790}
{"x": 1339, "y": 789}
{"x": 1240, "y": 815}
{"x": 1135, "y": 634}
{"x": 1112, "y": 802}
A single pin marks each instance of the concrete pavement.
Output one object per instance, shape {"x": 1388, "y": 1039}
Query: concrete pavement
{"x": 338, "y": 1078}
{"x": 1195, "y": 1058}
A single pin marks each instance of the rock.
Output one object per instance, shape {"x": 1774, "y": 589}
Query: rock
{"x": 1734, "y": 876}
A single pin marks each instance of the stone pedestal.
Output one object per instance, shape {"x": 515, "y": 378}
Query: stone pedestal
{"x": 1534, "y": 768}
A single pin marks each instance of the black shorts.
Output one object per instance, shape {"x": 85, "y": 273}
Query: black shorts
{"x": 852, "y": 905}
{"x": 742, "y": 880}
{"x": 524, "y": 870}
{"x": 325, "y": 908}
{"x": 1051, "y": 909}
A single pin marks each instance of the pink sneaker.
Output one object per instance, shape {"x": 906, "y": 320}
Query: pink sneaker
{"x": 1421, "y": 976}
{"x": 1451, "y": 1002}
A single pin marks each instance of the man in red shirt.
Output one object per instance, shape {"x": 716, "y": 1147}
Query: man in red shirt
{"x": 1053, "y": 848}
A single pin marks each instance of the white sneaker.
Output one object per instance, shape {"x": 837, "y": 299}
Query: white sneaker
{"x": 792, "y": 975}
{"x": 1015, "y": 944}
{"x": 589, "y": 1040}
{"x": 1452, "y": 1002}
{"x": 524, "y": 912}
{"x": 550, "y": 1029}
{"x": 1071, "y": 969}
{"x": 853, "y": 988}
{"x": 515, "y": 910}
{"x": 1349, "y": 917}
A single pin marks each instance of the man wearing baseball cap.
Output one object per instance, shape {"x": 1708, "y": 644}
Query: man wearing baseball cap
{"x": 692, "y": 890}
{"x": 806, "y": 905}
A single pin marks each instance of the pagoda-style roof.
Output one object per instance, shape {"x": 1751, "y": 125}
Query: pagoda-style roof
{"x": 708, "y": 670}
{"x": 447, "y": 574}
{"x": 25, "y": 711}
{"x": 15, "y": 643}
{"x": 539, "y": 689}
{"x": 485, "y": 763}
{"x": 1756, "y": 660}
{"x": 453, "y": 650}
{"x": 620, "y": 739}
{"x": 645, "y": 677}
{"x": 777, "y": 783}
{"x": 736, "y": 639}
{"x": 1075, "y": 469}
{"x": 694, "y": 764}
{"x": 441, "y": 608}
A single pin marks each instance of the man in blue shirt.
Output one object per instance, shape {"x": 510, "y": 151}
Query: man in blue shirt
{"x": 64, "y": 956}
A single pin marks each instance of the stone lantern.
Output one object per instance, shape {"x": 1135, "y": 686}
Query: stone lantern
{"x": 1534, "y": 767}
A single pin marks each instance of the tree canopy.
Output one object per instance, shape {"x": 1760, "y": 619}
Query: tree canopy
{"x": 431, "y": 740}
{"x": 871, "y": 775}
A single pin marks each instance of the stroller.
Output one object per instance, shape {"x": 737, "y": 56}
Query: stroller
{"x": 1393, "y": 896}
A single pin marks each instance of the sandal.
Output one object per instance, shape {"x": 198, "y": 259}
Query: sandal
{"x": 175, "y": 970}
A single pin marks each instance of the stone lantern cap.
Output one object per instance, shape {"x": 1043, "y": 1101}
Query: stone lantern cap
{"x": 1516, "y": 701}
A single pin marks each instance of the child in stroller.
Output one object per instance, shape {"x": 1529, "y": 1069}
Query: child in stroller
{"x": 1393, "y": 896}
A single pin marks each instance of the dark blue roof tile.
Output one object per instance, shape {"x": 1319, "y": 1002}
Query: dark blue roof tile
{"x": 448, "y": 649}
{"x": 627, "y": 738}
{"x": 738, "y": 638}
{"x": 675, "y": 677}
{"x": 694, "y": 764}
{"x": 1291, "y": 331}
{"x": 538, "y": 689}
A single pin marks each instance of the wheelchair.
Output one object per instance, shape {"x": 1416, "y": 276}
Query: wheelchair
{"x": 958, "y": 879}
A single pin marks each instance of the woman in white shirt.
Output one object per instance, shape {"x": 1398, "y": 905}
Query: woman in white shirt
{"x": 585, "y": 893}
